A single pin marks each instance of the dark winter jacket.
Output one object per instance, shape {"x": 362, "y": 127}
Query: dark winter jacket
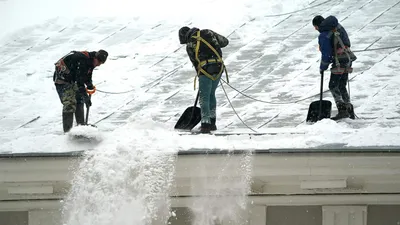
{"x": 216, "y": 40}
{"x": 325, "y": 40}
{"x": 80, "y": 65}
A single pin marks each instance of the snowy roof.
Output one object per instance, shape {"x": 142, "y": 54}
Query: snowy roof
{"x": 272, "y": 59}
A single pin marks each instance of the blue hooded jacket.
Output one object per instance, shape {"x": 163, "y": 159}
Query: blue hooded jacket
{"x": 325, "y": 40}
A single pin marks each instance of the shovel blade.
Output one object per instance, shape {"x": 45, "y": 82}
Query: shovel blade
{"x": 313, "y": 111}
{"x": 189, "y": 119}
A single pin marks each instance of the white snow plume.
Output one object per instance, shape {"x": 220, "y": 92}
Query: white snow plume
{"x": 124, "y": 186}
{"x": 226, "y": 196}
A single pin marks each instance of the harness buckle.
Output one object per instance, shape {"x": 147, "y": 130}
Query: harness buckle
{"x": 338, "y": 70}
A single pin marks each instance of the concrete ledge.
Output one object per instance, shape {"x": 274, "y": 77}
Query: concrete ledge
{"x": 292, "y": 200}
{"x": 267, "y": 200}
{"x": 194, "y": 151}
{"x": 42, "y": 154}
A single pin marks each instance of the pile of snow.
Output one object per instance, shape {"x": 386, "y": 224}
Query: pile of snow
{"x": 90, "y": 133}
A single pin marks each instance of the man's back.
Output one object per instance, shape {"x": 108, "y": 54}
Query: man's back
{"x": 216, "y": 40}
{"x": 79, "y": 63}
{"x": 329, "y": 25}
{"x": 326, "y": 38}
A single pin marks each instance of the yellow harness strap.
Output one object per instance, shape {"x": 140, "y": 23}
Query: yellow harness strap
{"x": 203, "y": 63}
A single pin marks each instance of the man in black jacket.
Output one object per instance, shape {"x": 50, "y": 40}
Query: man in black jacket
{"x": 73, "y": 81}
{"x": 204, "y": 50}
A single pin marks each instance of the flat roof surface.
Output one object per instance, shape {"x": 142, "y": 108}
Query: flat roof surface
{"x": 273, "y": 64}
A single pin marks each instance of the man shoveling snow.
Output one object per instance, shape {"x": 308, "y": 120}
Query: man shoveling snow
{"x": 73, "y": 81}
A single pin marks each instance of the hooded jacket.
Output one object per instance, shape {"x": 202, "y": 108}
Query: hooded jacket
{"x": 80, "y": 65}
{"x": 216, "y": 40}
{"x": 325, "y": 40}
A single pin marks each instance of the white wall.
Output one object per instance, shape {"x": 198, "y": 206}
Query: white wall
{"x": 344, "y": 215}
{"x": 44, "y": 217}
{"x": 258, "y": 215}
{"x": 14, "y": 218}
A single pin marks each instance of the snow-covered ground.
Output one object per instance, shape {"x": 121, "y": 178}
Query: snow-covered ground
{"x": 148, "y": 81}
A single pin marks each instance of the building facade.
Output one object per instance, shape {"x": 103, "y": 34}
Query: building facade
{"x": 276, "y": 187}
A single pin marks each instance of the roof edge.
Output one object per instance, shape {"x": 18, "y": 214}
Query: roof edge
{"x": 363, "y": 150}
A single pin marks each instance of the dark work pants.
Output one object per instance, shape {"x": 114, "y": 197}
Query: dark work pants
{"x": 337, "y": 86}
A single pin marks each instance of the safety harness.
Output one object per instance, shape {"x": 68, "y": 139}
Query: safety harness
{"x": 62, "y": 70}
{"x": 341, "y": 53}
{"x": 200, "y": 63}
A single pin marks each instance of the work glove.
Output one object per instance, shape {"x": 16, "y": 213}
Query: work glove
{"x": 87, "y": 101}
{"x": 91, "y": 89}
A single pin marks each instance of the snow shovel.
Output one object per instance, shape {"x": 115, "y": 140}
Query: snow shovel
{"x": 82, "y": 135}
{"x": 319, "y": 109}
{"x": 190, "y": 117}
{"x": 87, "y": 115}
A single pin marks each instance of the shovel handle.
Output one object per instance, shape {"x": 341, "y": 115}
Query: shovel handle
{"x": 195, "y": 104}
{"x": 197, "y": 99}
{"x": 320, "y": 95}
{"x": 87, "y": 111}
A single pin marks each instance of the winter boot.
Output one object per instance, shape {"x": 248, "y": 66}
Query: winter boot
{"x": 342, "y": 111}
{"x": 79, "y": 114}
{"x": 205, "y": 128}
{"x": 350, "y": 110}
{"x": 68, "y": 120}
{"x": 213, "y": 126}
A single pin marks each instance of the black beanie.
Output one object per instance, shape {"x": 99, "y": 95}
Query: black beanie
{"x": 317, "y": 20}
{"x": 182, "y": 34}
{"x": 101, "y": 55}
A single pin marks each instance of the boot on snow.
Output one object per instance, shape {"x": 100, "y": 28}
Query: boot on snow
{"x": 68, "y": 120}
{"x": 205, "y": 128}
{"x": 213, "y": 127}
{"x": 342, "y": 111}
{"x": 79, "y": 114}
{"x": 350, "y": 110}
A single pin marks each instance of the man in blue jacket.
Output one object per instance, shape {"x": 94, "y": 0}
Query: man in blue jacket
{"x": 334, "y": 44}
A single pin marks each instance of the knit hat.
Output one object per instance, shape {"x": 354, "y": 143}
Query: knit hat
{"x": 182, "y": 34}
{"x": 101, "y": 55}
{"x": 317, "y": 20}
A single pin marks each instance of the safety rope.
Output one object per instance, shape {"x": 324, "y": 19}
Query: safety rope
{"x": 233, "y": 108}
{"x": 377, "y": 49}
{"x": 303, "y": 99}
{"x": 115, "y": 93}
{"x": 268, "y": 102}
{"x": 273, "y": 103}
{"x": 299, "y": 10}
